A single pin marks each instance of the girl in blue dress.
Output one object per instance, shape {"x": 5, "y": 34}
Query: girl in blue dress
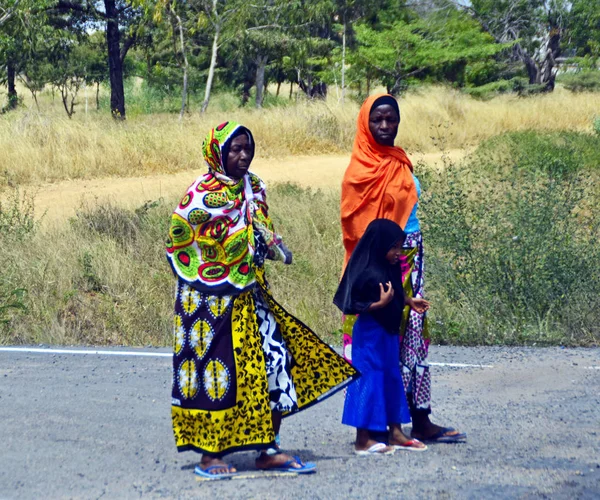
{"x": 372, "y": 288}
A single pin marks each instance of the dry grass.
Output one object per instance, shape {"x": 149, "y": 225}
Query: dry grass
{"x": 104, "y": 279}
{"x": 47, "y": 147}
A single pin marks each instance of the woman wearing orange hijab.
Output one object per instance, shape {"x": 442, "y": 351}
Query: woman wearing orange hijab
{"x": 379, "y": 183}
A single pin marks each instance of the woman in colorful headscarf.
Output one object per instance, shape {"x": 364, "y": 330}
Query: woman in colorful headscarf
{"x": 379, "y": 183}
{"x": 241, "y": 362}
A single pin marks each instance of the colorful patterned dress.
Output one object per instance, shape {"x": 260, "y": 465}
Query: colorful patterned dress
{"x": 238, "y": 354}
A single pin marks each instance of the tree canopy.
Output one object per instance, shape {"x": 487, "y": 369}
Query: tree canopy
{"x": 191, "y": 46}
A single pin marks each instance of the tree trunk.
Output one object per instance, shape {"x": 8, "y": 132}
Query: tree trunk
{"x": 291, "y": 90}
{"x": 184, "y": 65}
{"x": 64, "y": 93}
{"x": 115, "y": 64}
{"x": 97, "y": 96}
{"x": 548, "y": 66}
{"x": 530, "y": 64}
{"x": 246, "y": 87}
{"x": 278, "y": 89}
{"x": 344, "y": 62}
{"x": 13, "y": 98}
{"x": 261, "y": 64}
{"x": 532, "y": 70}
{"x": 213, "y": 65}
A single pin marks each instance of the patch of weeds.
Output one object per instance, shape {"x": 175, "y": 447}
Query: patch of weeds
{"x": 108, "y": 220}
{"x": 11, "y": 301}
{"x": 557, "y": 153}
{"x": 90, "y": 280}
{"x": 17, "y": 215}
{"x": 120, "y": 224}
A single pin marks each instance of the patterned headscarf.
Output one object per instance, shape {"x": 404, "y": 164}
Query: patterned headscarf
{"x": 216, "y": 146}
{"x": 219, "y": 222}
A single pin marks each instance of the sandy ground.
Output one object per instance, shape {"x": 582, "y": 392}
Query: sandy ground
{"x": 89, "y": 426}
{"x": 60, "y": 200}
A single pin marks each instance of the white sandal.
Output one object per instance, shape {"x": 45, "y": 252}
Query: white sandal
{"x": 376, "y": 449}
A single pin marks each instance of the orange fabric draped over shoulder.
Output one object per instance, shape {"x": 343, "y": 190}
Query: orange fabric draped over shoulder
{"x": 378, "y": 183}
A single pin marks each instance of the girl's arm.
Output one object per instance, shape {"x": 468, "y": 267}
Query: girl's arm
{"x": 385, "y": 297}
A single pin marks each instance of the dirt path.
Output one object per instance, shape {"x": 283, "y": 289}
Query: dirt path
{"x": 60, "y": 200}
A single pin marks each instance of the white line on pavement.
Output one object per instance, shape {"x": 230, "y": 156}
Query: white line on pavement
{"x": 461, "y": 365}
{"x": 592, "y": 367}
{"x": 162, "y": 354}
{"x": 83, "y": 351}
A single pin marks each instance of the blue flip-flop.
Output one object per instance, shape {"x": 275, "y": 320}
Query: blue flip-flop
{"x": 440, "y": 436}
{"x": 305, "y": 468}
{"x": 206, "y": 474}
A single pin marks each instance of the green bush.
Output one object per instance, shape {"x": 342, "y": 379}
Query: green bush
{"x": 556, "y": 152}
{"x": 517, "y": 85}
{"x": 489, "y": 90}
{"x": 513, "y": 250}
{"x": 17, "y": 215}
{"x": 584, "y": 81}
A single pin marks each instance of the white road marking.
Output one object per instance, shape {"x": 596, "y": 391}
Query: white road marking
{"x": 41, "y": 350}
{"x": 83, "y": 351}
{"x": 461, "y": 365}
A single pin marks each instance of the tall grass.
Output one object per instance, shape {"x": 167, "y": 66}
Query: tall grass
{"x": 39, "y": 147}
{"x": 511, "y": 239}
{"x": 104, "y": 278}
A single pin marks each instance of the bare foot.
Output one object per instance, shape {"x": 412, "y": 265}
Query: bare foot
{"x": 398, "y": 438}
{"x": 430, "y": 430}
{"x": 265, "y": 461}
{"x": 371, "y": 442}
{"x": 209, "y": 461}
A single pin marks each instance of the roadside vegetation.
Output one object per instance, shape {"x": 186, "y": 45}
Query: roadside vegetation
{"x": 44, "y": 146}
{"x": 511, "y": 239}
{"x": 129, "y": 88}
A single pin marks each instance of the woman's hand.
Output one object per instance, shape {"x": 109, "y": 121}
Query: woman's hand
{"x": 419, "y": 305}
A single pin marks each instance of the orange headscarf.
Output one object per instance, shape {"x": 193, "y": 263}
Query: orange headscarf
{"x": 378, "y": 183}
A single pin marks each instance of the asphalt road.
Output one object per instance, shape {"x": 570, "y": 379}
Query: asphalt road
{"x": 98, "y": 426}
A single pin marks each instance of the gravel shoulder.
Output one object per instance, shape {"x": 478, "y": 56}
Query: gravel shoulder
{"x": 92, "y": 426}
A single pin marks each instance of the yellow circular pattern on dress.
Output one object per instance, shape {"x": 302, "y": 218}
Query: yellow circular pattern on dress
{"x": 181, "y": 233}
{"x": 201, "y": 336}
{"x": 188, "y": 379}
{"x": 218, "y": 305}
{"x": 178, "y": 334}
{"x": 191, "y": 299}
{"x": 212, "y": 250}
{"x": 216, "y": 380}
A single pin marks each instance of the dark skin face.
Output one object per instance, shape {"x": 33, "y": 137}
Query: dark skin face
{"x": 394, "y": 253}
{"x": 383, "y": 124}
{"x": 240, "y": 156}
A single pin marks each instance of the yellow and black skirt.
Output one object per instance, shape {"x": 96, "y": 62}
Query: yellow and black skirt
{"x": 238, "y": 358}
